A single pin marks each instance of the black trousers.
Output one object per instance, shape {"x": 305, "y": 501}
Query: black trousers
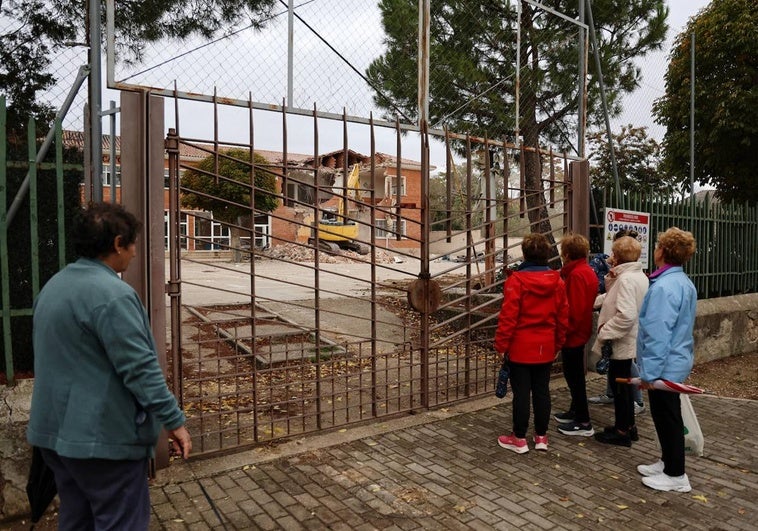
{"x": 623, "y": 394}
{"x": 666, "y": 410}
{"x": 100, "y": 494}
{"x": 573, "y": 372}
{"x": 530, "y": 381}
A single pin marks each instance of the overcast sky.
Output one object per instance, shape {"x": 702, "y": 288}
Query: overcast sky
{"x": 315, "y": 85}
{"x": 638, "y": 106}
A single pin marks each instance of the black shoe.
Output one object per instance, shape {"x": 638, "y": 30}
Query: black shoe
{"x": 566, "y": 417}
{"x": 633, "y": 434}
{"x": 614, "y": 437}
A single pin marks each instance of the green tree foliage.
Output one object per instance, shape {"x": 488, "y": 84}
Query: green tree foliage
{"x": 726, "y": 100}
{"x": 638, "y": 161}
{"x": 438, "y": 203}
{"x": 228, "y": 194}
{"x": 474, "y": 45}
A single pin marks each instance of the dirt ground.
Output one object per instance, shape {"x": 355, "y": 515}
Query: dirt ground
{"x": 736, "y": 376}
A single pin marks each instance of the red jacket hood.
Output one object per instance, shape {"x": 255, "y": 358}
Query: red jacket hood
{"x": 539, "y": 283}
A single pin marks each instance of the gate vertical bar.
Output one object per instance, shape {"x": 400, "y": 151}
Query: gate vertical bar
{"x": 4, "y": 265}
{"x": 112, "y": 114}
{"x": 173, "y": 288}
{"x": 33, "y": 218}
{"x": 423, "y": 105}
{"x": 253, "y": 324}
{"x": 316, "y": 258}
{"x": 95, "y": 100}
{"x": 59, "y": 203}
{"x": 372, "y": 194}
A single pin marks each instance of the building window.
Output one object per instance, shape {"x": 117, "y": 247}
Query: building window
{"x": 262, "y": 236}
{"x": 385, "y": 228}
{"x": 298, "y": 194}
{"x": 107, "y": 174}
{"x": 166, "y": 177}
{"x": 390, "y": 186}
{"x": 210, "y": 235}
{"x": 182, "y": 230}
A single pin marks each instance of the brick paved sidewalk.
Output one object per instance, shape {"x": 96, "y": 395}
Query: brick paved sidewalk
{"x": 444, "y": 470}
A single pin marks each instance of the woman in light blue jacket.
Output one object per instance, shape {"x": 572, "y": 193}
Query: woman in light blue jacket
{"x": 665, "y": 350}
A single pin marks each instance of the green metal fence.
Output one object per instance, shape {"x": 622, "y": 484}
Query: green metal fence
{"x": 726, "y": 262}
{"x": 32, "y": 235}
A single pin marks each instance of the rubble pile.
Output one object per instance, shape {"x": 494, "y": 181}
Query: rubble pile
{"x": 299, "y": 253}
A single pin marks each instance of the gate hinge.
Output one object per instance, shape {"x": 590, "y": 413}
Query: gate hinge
{"x": 173, "y": 288}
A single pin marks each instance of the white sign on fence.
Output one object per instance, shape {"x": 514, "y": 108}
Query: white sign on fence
{"x": 617, "y": 220}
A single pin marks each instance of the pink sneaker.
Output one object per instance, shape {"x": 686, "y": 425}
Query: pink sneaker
{"x": 540, "y": 442}
{"x": 513, "y": 443}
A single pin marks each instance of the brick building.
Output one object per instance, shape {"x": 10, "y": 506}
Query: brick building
{"x": 290, "y": 222}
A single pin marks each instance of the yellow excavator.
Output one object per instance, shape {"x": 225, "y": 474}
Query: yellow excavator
{"x": 335, "y": 230}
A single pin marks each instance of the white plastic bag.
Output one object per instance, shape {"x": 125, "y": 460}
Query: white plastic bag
{"x": 693, "y": 435}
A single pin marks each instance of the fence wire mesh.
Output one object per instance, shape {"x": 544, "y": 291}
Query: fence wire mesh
{"x": 509, "y": 70}
{"x": 333, "y": 42}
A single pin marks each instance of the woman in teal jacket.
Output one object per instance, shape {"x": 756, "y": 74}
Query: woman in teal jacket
{"x": 665, "y": 350}
{"x": 99, "y": 397}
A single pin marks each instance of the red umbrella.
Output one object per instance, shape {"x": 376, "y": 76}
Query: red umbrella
{"x": 664, "y": 385}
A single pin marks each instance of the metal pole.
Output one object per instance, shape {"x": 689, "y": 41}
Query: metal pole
{"x": 112, "y": 114}
{"x": 95, "y": 101}
{"x": 596, "y": 53}
{"x": 290, "y": 50}
{"x": 517, "y": 132}
{"x": 581, "y": 84}
{"x": 424, "y": 28}
{"x": 110, "y": 47}
{"x": 692, "y": 127}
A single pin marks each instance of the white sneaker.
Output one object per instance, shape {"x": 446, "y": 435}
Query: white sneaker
{"x": 668, "y": 483}
{"x": 639, "y": 407}
{"x": 651, "y": 470}
{"x": 600, "y": 399}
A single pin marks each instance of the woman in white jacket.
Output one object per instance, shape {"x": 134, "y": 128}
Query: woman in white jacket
{"x": 626, "y": 285}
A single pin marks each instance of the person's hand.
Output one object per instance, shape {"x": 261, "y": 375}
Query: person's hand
{"x": 645, "y": 385}
{"x": 181, "y": 441}
{"x": 500, "y": 355}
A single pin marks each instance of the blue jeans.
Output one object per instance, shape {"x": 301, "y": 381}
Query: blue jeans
{"x": 637, "y": 395}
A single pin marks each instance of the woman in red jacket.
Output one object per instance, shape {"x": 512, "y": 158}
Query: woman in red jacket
{"x": 581, "y": 289}
{"x": 531, "y": 330}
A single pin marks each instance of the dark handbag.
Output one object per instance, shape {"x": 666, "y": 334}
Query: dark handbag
{"x": 601, "y": 367}
{"x": 502, "y": 379}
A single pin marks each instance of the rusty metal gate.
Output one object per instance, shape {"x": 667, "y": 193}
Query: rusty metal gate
{"x": 313, "y": 291}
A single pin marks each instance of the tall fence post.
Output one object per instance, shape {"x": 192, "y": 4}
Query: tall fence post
{"x": 580, "y": 197}
{"x": 4, "y": 265}
{"x": 142, "y": 170}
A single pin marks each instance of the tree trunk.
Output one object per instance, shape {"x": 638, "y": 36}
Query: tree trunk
{"x": 535, "y": 192}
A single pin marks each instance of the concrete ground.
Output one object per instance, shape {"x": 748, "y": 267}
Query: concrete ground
{"x": 444, "y": 470}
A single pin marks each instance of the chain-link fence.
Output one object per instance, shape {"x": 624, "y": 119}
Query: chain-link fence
{"x": 506, "y": 70}
{"x": 332, "y": 44}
